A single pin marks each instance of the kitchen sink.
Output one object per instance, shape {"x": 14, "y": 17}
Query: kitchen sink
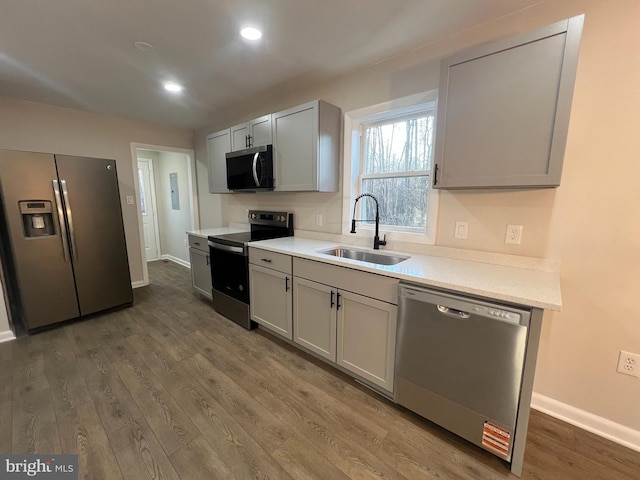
{"x": 365, "y": 255}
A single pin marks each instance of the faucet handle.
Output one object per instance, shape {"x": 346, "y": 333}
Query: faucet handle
{"x": 384, "y": 240}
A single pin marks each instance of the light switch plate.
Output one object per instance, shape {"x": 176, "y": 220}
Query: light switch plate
{"x": 462, "y": 230}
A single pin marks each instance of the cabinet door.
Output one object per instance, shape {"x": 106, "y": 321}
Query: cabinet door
{"x": 239, "y": 137}
{"x": 503, "y": 110}
{"x": 270, "y": 293}
{"x": 295, "y": 148}
{"x": 260, "y": 131}
{"x": 367, "y": 338}
{"x": 218, "y": 144}
{"x": 200, "y": 271}
{"x": 314, "y": 317}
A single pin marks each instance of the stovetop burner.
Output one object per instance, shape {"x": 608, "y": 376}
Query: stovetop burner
{"x": 264, "y": 225}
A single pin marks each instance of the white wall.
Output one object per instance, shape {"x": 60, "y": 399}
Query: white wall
{"x": 591, "y": 222}
{"x": 173, "y": 223}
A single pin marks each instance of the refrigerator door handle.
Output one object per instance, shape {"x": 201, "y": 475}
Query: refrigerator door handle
{"x": 72, "y": 233}
{"x": 63, "y": 226}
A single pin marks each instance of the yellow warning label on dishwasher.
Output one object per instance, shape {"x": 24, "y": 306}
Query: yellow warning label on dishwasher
{"x": 496, "y": 439}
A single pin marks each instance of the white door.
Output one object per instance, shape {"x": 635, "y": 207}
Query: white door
{"x": 148, "y": 207}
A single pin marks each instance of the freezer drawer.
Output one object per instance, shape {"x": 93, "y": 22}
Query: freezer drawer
{"x": 460, "y": 362}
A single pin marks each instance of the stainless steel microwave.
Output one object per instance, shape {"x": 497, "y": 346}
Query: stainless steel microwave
{"x": 250, "y": 169}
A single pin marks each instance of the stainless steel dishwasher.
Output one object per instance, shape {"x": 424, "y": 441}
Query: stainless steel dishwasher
{"x": 460, "y": 363}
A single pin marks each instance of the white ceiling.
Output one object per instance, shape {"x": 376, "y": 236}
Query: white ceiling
{"x": 80, "y": 53}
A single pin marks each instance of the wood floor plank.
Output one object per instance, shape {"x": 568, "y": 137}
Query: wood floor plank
{"x": 249, "y": 379}
{"x": 6, "y": 413}
{"x": 242, "y": 454}
{"x": 198, "y": 460}
{"x": 113, "y": 401}
{"x": 251, "y": 416}
{"x": 139, "y": 453}
{"x": 67, "y": 384}
{"x": 303, "y": 462}
{"x": 339, "y": 445}
{"x": 34, "y": 428}
{"x": 82, "y": 433}
{"x": 171, "y": 425}
{"x": 625, "y": 461}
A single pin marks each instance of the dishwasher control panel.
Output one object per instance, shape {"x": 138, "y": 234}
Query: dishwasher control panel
{"x": 496, "y": 313}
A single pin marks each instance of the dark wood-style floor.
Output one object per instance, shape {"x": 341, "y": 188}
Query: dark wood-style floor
{"x": 168, "y": 389}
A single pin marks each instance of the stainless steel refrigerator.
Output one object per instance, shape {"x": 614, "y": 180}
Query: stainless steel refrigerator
{"x": 63, "y": 245}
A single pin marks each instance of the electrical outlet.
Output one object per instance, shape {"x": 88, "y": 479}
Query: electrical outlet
{"x": 629, "y": 364}
{"x": 186, "y": 242}
{"x": 319, "y": 219}
{"x": 513, "y": 234}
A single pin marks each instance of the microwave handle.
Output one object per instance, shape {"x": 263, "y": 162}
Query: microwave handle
{"x": 255, "y": 169}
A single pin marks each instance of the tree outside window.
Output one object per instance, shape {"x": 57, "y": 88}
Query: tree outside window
{"x": 395, "y": 165}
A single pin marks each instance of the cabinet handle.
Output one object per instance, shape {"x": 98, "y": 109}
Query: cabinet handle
{"x": 286, "y": 284}
{"x": 197, "y": 243}
{"x": 249, "y": 140}
{"x": 207, "y": 259}
{"x": 332, "y": 302}
{"x": 435, "y": 175}
{"x": 266, "y": 260}
{"x": 338, "y": 301}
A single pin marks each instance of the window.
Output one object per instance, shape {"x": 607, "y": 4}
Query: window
{"x": 390, "y": 157}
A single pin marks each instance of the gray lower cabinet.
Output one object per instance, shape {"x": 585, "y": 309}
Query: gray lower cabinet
{"x": 270, "y": 291}
{"x": 314, "y": 317}
{"x": 335, "y": 317}
{"x": 200, "y": 265}
{"x": 503, "y": 110}
{"x": 367, "y": 338}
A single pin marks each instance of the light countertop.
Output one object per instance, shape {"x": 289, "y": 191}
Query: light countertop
{"x": 524, "y": 286}
{"x": 215, "y": 231}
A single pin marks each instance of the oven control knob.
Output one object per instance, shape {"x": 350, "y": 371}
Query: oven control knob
{"x": 241, "y": 288}
{"x": 253, "y": 216}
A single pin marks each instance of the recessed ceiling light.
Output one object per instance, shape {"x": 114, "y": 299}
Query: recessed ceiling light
{"x": 251, "y": 33}
{"x": 173, "y": 87}
{"x": 143, "y": 46}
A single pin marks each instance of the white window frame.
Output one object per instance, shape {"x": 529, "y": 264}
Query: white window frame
{"x": 353, "y": 144}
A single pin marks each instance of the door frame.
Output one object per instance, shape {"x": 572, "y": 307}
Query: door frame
{"x": 193, "y": 194}
{"x": 152, "y": 196}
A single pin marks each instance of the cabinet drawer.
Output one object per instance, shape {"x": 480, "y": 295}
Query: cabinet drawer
{"x": 198, "y": 243}
{"x": 275, "y": 261}
{"x": 364, "y": 283}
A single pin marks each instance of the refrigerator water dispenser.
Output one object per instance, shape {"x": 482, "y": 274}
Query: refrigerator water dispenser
{"x": 37, "y": 218}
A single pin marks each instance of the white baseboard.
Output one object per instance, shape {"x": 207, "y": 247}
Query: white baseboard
{"x": 138, "y": 284}
{"x": 6, "y": 336}
{"x": 177, "y": 260}
{"x": 600, "y": 426}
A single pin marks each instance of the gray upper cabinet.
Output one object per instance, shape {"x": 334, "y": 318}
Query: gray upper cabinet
{"x": 503, "y": 110}
{"x": 306, "y": 143}
{"x": 218, "y": 144}
{"x": 251, "y": 134}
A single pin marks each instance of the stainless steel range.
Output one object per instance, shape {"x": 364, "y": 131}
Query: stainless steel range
{"x": 230, "y": 263}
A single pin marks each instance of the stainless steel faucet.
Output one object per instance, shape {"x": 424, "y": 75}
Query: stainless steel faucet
{"x": 376, "y": 239}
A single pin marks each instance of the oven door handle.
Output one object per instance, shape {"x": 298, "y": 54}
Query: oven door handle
{"x": 227, "y": 248}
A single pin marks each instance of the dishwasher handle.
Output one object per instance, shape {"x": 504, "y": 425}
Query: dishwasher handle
{"x": 453, "y": 312}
